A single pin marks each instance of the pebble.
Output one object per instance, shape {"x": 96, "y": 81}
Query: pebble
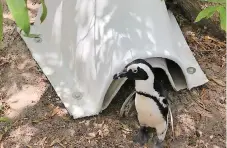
{"x": 211, "y": 136}
{"x": 198, "y": 133}
{"x": 71, "y": 132}
{"x": 215, "y": 146}
{"x": 222, "y": 100}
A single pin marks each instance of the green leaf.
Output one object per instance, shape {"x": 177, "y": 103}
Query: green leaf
{"x": 4, "y": 119}
{"x": 19, "y": 12}
{"x": 206, "y": 13}
{"x": 222, "y": 13}
{"x": 215, "y": 1}
{"x": 44, "y": 13}
{"x": 1, "y": 22}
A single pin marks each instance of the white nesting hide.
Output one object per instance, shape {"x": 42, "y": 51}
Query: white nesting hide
{"x": 85, "y": 42}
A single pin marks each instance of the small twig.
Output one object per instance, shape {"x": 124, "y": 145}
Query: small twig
{"x": 217, "y": 82}
{"x": 215, "y": 40}
{"x": 171, "y": 121}
{"x": 202, "y": 93}
{"x": 199, "y": 103}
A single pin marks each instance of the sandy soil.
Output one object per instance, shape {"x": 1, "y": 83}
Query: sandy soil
{"x": 40, "y": 120}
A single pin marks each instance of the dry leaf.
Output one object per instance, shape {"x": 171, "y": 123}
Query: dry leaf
{"x": 100, "y": 133}
{"x": 203, "y": 93}
{"x": 61, "y": 145}
{"x": 41, "y": 142}
{"x": 81, "y": 122}
{"x": 105, "y": 130}
{"x": 92, "y": 135}
{"x": 124, "y": 136}
{"x": 55, "y": 111}
{"x": 98, "y": 125}
{"x": 125, "y": 128}
{"x": 219, "y": 82}
{"x": 87, "y": 123}
{"x": 67, "y": 118}
{"x": 55, "y": 141}
{"x": 50, "y": 106}
{"x": 38, "y": 120}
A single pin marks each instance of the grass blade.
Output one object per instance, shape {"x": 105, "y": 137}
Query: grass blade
{"x": 44, "y": 13}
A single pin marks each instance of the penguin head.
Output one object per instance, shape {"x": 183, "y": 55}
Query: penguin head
{"x": 136, "y": 70}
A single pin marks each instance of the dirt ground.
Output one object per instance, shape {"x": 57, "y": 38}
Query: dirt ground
{"x": 38, "y": 118}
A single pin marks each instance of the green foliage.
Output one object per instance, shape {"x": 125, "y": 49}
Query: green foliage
{"x": 44, "y": 13}
{"x": 4, "y": 119}
{"x": 208, "y": 12}
{"x": 19, "y": 11}
{"x": 222, "y": 12}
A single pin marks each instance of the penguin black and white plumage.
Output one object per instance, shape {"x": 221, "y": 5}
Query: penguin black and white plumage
{"x": 150, "y": 100}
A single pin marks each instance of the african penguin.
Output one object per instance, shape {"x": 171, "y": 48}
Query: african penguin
{"x": 150, "y": 100}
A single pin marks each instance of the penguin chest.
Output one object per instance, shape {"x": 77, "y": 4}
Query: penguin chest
{"x": 148, "y": 111}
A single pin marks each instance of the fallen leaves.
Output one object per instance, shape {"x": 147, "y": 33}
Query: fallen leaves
{"x": 125, "y": 129}
{"x": 98, "y": 125}
{"x": 58, "y": 111}
{"x": 195, "y": 97}
{"x": 218, "y": 81}
{"x": 207, "y": 49}
{"x": 42, "y": 142}
{"x": 55, "y": 111}
{"x": 6, "y": 129}
{"x": 103, "y": 131}
{"x": 91, "y": 135}
{"x": 202, "y": 112}
{"x": 58, "y": 141}
{"x": 4, "y": 61}
{"x": 3, "y": 106}
{"x": 38, "y": 120}
{"x": 28, "y": 146}
{"x": 202, "y": 94}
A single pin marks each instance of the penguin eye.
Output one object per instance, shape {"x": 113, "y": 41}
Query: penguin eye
{"x": 134, "y": 70}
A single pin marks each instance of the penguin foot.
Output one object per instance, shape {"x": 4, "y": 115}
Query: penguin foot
{"x": 158, "y": 143}
{"x": 142, "y": 137}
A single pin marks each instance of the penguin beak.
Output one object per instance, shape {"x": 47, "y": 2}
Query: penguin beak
{"x": 120, "y": 75}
